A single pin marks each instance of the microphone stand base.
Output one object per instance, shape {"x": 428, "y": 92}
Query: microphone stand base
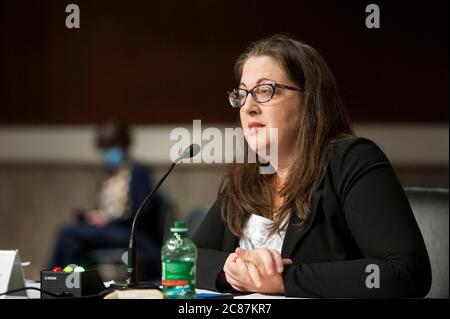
{"x": 137, "y": 285}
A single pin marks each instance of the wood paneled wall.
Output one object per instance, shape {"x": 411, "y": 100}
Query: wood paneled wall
{"x": 171, "y": 61}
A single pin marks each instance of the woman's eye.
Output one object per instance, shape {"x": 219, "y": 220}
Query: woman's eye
{"x": 265, "y": 90}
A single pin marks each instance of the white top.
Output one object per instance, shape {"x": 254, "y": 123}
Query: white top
{"x": 256, "y": 234}
{"x": 114, "y": 197}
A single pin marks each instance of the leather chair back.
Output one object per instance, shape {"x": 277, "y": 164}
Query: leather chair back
{"x": 430, "y": 207}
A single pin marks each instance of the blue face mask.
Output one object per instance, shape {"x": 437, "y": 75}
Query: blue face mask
{"x": 112, "y": 157}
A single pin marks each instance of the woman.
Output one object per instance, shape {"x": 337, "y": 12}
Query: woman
{"x": 333, "y": 221}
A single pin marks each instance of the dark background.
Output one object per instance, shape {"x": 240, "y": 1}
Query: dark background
{"x": 158, "y": 62}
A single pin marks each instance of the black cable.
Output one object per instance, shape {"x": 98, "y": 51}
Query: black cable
{"x": 30, "y": 288}
{"x": 63, "y": 295}
{"x": 97, "y": 295}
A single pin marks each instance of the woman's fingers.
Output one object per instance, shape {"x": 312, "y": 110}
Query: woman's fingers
{"x": 277, "y": 260}
{"x": 243, "y": 270}
{"x": 236, "y": 285}
{"x": 232, "y": 279}
{"x": 231, "y": 259}
{"x": 287, "y": 261}
{"x": 268, "y": 260}
{"x": 241, "y": 283}
{"x": 254, "y": 275}
{"x": 228, "y": 267}
{"x": 241, "y": 252}
{"x": 236, "y": 272}
{"x": 261, "y": 258}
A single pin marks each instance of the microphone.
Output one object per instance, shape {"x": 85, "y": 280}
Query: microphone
{"x": 191, "y": 151}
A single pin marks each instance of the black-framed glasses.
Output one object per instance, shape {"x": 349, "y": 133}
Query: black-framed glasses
{"x": 261, "y": 93}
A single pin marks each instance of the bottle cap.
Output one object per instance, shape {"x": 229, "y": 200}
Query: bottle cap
{"x": 68, "y": 269}
{"x": 79, "y": 269}
{"x": 179, "y": 226}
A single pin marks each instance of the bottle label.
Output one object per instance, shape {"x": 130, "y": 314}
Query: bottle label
{"x": 178, "y": 273}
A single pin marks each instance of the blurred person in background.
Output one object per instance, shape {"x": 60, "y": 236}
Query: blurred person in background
{"x": 108, "y": 225}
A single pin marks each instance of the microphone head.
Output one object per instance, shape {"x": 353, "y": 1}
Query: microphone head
{"x": 191, "y": 151}
{"x": 194, "y": 149}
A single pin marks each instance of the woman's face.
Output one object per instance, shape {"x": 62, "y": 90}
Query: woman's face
{"x": 281, "y": 112}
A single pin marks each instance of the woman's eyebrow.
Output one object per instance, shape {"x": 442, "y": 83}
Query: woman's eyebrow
{"x": 258, "y": 82}
{"x": 264, "y": 79}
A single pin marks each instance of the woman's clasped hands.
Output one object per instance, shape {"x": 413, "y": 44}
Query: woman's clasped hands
{"x": 256, "y": 270}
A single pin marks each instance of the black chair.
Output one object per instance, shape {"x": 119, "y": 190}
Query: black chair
{"x": 430, "y": 207}
{"x": 195, "y": 218}
{"x": 111, "y": 262}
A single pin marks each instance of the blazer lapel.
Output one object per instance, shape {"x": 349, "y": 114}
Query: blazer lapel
{"x": 229, "y": 241}
{"x": 293, "y": 235}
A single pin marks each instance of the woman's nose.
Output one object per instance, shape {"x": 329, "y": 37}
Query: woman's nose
{"x": 251, "y": 106}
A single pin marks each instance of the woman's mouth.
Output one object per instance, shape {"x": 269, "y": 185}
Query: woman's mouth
{"x": 253, "y": 127}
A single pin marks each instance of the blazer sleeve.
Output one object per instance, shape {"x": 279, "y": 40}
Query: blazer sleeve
{"x": 209, "y": 240}
{"x": 381, "y": 221}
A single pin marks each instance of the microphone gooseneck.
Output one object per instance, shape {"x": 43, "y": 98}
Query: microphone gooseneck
{"x": 189, "y": 152}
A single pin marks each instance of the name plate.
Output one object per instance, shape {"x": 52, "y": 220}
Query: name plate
{"x": 11, "y": 273}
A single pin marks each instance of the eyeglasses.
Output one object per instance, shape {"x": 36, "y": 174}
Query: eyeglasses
{"x": 261, "y": 93}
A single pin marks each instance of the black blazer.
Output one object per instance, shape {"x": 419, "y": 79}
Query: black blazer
{"x": 360, "y": 216}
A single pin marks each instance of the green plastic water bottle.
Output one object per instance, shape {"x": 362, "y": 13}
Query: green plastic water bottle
{"x": 178, "y": 256}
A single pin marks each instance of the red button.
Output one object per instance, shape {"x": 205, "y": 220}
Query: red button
{"x": 57, "y": 268}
